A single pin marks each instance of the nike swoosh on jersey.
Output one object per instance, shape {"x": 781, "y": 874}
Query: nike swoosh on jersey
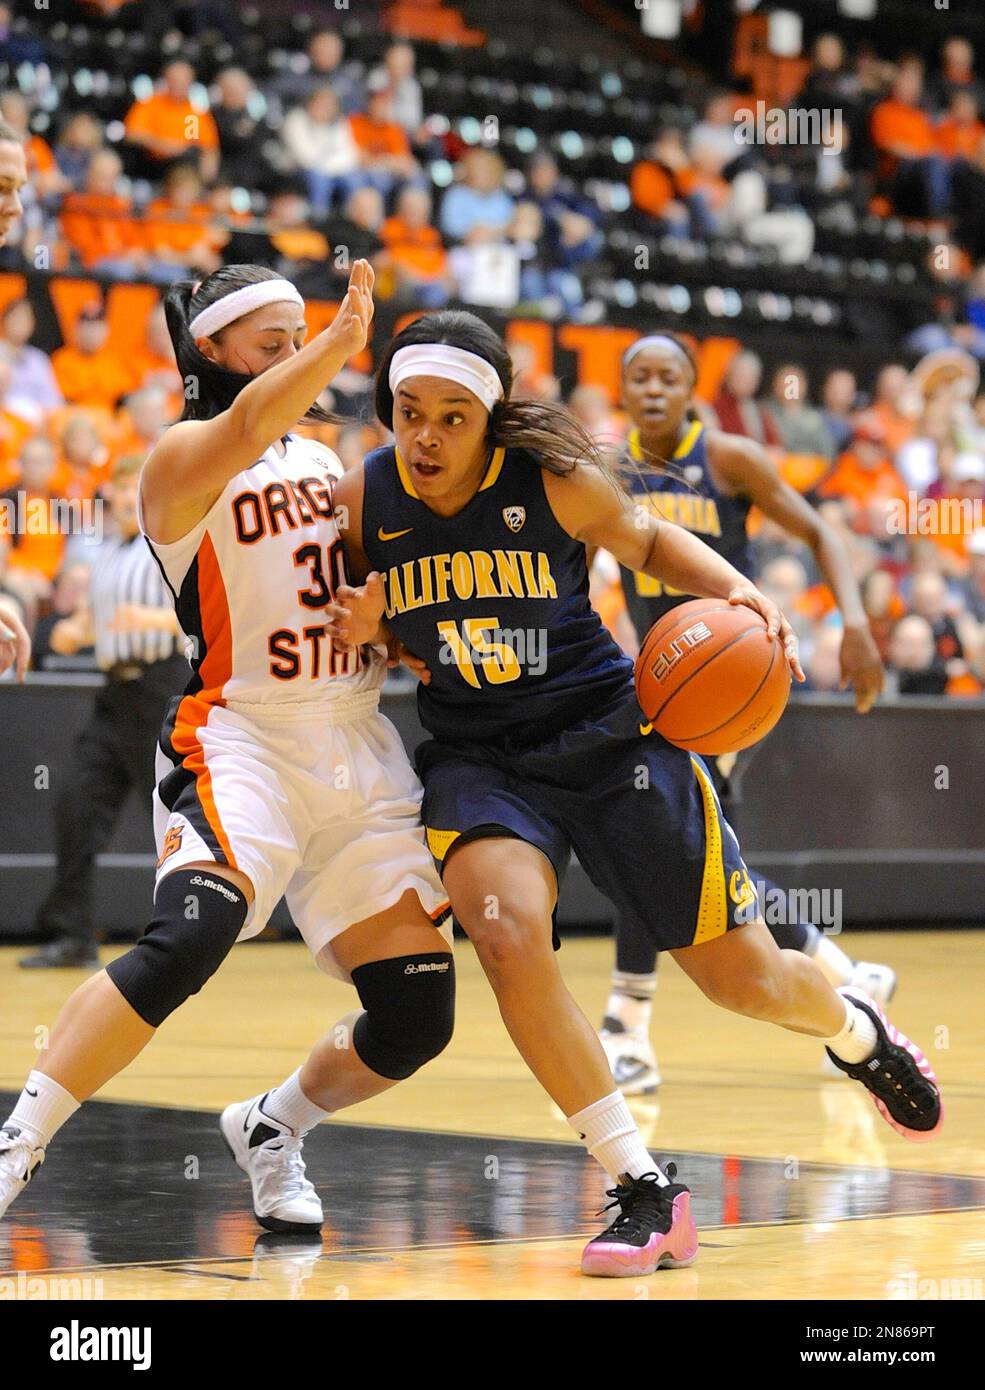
{"x": 646, "y": 729}
{"x": 392, "y": 535}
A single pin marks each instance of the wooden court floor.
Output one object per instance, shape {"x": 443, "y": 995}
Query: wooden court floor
{"x": 464, "y": 1181}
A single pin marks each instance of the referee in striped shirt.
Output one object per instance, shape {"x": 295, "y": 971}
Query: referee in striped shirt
{"x": 130, "y": 619}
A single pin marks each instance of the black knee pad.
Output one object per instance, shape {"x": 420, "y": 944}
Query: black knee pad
{"x": 197, "y": 917}
{"x": 410, "y": 1012}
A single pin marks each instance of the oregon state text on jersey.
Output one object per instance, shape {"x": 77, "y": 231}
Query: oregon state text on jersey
{"x": 687, "y": 496}
{"x": 494, "y": 600}
{"x": 251, "y": 581}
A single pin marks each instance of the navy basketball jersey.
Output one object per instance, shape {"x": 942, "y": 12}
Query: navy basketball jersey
{"x": 494, "y": 600}
{"x": 690, "y": 498}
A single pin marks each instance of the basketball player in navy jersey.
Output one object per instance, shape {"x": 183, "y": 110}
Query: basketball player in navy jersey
{"x": 707, "y": 481}
{"x": 470, "y": 535}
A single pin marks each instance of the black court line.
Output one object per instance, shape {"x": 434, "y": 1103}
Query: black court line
{"x": 114, "y": 1192}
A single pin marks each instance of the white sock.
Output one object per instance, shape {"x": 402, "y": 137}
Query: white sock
{"x": 610, "y": 1135}
{"x": 289, "y": 1104}
{"x": 43, "y": 1107}
{"x": 857, "y": 1038}
{"x": 631, "y": 1000}
{"x": 836, "y": 967}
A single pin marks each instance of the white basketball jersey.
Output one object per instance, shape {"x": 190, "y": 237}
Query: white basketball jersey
{"x": 251, "y": 580}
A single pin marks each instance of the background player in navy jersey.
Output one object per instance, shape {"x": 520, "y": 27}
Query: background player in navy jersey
{"x": 707, "y": 481}
{"x": 471, "y": 535}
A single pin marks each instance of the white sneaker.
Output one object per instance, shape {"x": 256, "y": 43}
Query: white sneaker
{"x": 632, "y": 1059}
{"x": 270, "y": 1154}
{"x": 879, "y": 983}
{"x": 20, "y": 1159}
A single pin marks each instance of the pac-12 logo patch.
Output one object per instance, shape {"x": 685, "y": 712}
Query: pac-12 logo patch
{"x": 514, "y": 517}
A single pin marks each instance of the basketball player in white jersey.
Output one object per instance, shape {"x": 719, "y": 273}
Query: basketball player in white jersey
{"x": 277, "y": 774}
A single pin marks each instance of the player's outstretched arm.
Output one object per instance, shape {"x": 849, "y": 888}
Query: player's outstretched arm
{"x": 196, "y": 458}
{"x": 593, "y": 510}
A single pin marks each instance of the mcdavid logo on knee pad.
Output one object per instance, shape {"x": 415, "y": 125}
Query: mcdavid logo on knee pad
{"x": 439, "y": 965}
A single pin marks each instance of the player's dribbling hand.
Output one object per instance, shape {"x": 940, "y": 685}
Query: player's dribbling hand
{"x": 356, "y": 616}
{"x": 776, "y": 624}
{"x": 350, "y": 327}
{"x": 861, "y": 667}
{"x": 15, "y": 644}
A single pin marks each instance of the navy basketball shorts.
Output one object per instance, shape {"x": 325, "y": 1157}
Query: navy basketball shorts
{"x": 643, "y": 817}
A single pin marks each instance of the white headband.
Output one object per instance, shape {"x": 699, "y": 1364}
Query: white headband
{"x": 651, "y": 341}
{"x": 453, "y": 363}
{"x": 233, "y": 306}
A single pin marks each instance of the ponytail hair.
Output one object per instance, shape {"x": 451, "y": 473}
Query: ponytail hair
{"x": 549, "y": 432}
{"x": 216, "y": 387}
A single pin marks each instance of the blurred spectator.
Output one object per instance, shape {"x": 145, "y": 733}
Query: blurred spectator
{"x": 98, "y": 223}
{"x": 736, "y": 406}
{"x": 320, "y": 140}
{"x": 571, "y": 221}
{"x": 382, "y": 142}
{"x": 144, "y": 418}
{"x": 590, "y": 406}
{"x": 717, "y": 130}
{"x": 864, "y": 473}
{"x": 325, "y": 64}
{"x": 929, "y": 598}
{"x": 36, "y": 548}
{"x": 917, "y": 460}
{"x": 32, "y": 390}
{"x": 243, "y": 131}
{"x": 415, "y": 249}
{"x": 166, "y": 126}
{"x": 784, "y": 580}
{"x": 904, "y": 134}
{"x": 830, "y": 82}
{"x": 297, "y": 248}
{"x": 358, "y": 231}
{"x": 14, "y": 429}
{"x": 822, "y": 659}
{"x": 43, "y": 174}
{"x": 179, "y": 230}
{"x": 154, "y": 364}
{"x": 81, "y": 137}
{"x": 839, "y": 395}
{"x": 528, "y": 378}
{"x": 659, "y": 182}
{"x": 913, "y": 659}
{"x": 961, "y": 130}
{"x": 477, "y": 208}
{"x": 957, "y": 74}
{"x": 397, "y": 74}
{"x": 801, "y": 427}
{"x": 88, "y": 370}
{"x": 84, "y": 459}
{"x": 888, "y": 405}
{"x": 68, "y": 594}
{"x": 546, "y": 287}
{"x": 974, "y": 583}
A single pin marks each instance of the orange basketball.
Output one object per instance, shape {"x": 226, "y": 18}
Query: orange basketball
{"x": 709, "y": 679}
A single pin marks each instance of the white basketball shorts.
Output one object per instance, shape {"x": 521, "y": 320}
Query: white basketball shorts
{"x": 319, "y": 805}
